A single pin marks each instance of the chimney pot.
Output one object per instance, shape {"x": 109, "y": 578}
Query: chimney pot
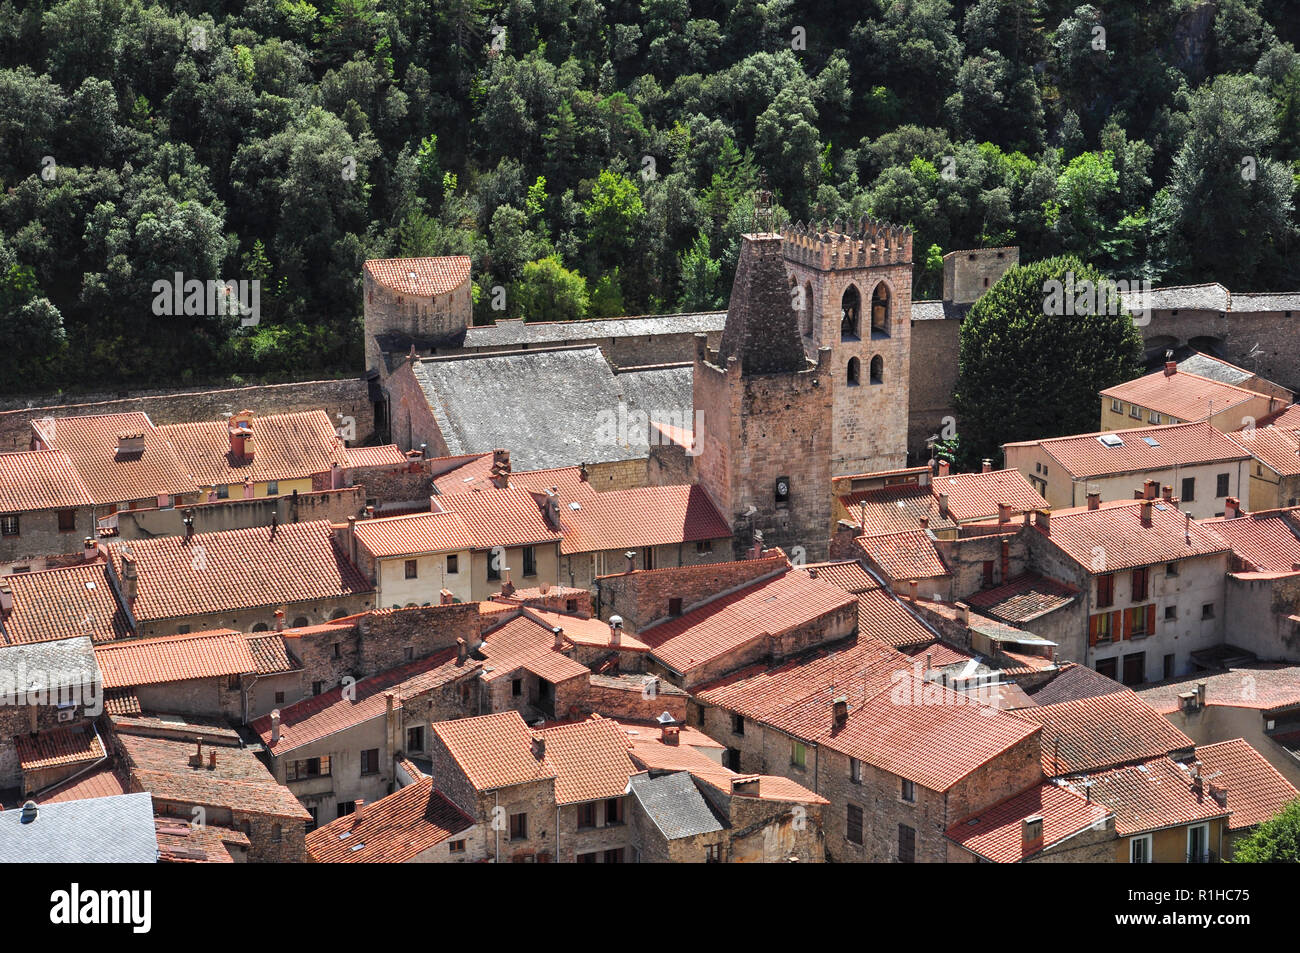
{"x": 1031, "y": 834}
{"x": 840, "y": 711}
{"x": 944, "y": 468}
{"x": 279, "y": 620}
{"x": 462, "y": 651}
{"x": 943, "y": 505}
{"x": 30, "y": 812}
{"x": 630, "y": 556}
{"x": 558, "y": 632}
{"x": 1171, "y": 368}
{"x": 1004, "y": 512}
{"x": 1166, "y": 492}
{"x": 275, "y": 726}
{"x": 986, "y": 466}
{"x": 1232, "y": 507}
{"x": 1146, "y": 512}
{"x": 1094, "y": 500}
{"x": 212, "y": 758}
{"x": 539, "y": 746}
{"x": 1150, "y": 489}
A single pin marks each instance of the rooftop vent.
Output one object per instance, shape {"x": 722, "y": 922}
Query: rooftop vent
{"x": 1110, "y": 440}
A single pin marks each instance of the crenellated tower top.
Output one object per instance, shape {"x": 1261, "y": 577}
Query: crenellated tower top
{"x": 830, "y": 245}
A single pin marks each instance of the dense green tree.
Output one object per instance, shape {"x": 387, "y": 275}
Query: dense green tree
{"x": 1034, "y": 352}
{"x": 1276, "y": 841}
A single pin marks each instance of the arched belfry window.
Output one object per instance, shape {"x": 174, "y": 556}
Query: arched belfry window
{"x": 877, "y": 370}
{"x": 854, "y": 375}
{"x": 851, "y": 306}
{"x": 808, "y": 309}
{"x": 880, "y": 310}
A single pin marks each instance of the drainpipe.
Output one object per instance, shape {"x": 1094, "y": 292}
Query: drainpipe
{"x": 557, "y": 833}
{"x": 496, "y": 824}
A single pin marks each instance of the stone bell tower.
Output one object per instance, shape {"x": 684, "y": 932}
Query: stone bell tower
{"x": 850, "y": 285}
{"x": 764, "y": 426}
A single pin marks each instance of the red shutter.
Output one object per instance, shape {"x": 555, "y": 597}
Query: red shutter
{"x": 1128, "y": 625}
{"x": 1092, "y": 629}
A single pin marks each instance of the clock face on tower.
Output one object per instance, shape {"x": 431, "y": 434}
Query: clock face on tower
{"x": 782, "y": 489}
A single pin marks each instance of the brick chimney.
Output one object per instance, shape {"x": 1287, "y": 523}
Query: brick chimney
{"x": 446, "y": 597}
{"x": 839, "y": 711}
{"x": 943, "y": 505}
{"x": 275, "y": 726}
{"x": 539, "y": 746}
{"x": 1150, "y": 489}
{"x": 1166, "y": 492}
{"x": 130, "y": 443}
{"x": 1231, "y": 508}
{"x": 630, "y": 556}
{"x": 1146, "y": 512}
{"x": 1004, "y": 512}
{"x": 944, "y": 468}
{"x": 130, "y": 579}
{"x": 671, "y": 735}
{"x": 212, "y": 759}
{"x": 986, "y": 466}
{"x": 196, "y": 759}
{"x": 558, "y": 632}
{"x": 1031, "y": 834}
{"x": 1094, "y": 499}
{"x": 615, "y": 630}
{"x": 1171, "y": 368}
{"x": 500, "y": 475}
{"x": 553, "y": 507}
{"x": 462, "y": 652}
{"x": 1043, "y": 519}
{"x": 90, "y": 549}
{"x": 240, "y": 428}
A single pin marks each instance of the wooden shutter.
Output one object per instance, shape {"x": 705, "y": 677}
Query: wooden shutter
{"x": 1092, "y": 629}
{"x": 1151, "y": 619}
{"x": 1117, "y": 625}
{"x": 1128, "y": 624}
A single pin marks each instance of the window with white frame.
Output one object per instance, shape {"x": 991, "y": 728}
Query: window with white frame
{"x": 1139, "y": 849}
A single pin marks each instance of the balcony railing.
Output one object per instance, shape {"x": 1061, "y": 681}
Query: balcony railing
{"x": 1202, "y": 857}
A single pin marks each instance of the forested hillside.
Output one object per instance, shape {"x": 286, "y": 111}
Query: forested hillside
{"x": 599, "y": 158}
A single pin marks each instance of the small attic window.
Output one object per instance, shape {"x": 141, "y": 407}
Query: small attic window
{"x": 1151, "y": 441}
{"x": 1110, "y": 440}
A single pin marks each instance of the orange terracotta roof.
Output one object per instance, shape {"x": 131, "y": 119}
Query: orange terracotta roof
{"x": 895, "y": 509}
{"x": 1265, "y": 541}
{"x": 1277, "y": 448}
{"x": 973, "y": 496}
{"x": 413, "y": 535}
{"x": 1256, "y": 790}
{"x": 500, "y": 517}
{"x": 995, "y": 834}
{"x": 392, "y": 830}
{"x": 593, "y": 633}
{"x": 239, "y": 781}
{"x": 770, "y": 606}
{"x": 1023, "y": 598}
{"x": 64, "y": 603}
{"x": 175, "y": 658}
{"x": 1151, "y": 796}
{"x": 1118, "y": 530}
{"x": 589, "y": 759}
{"x": 846, "y": 574}
{"x": 385, "y": 456}
{"x": 473, "y": 472}
{"x": 1090, "y": 734}
{"x": 99, "y": 782}
{"x": 1260, "y": 686}
{"x": 567, "y": 481}
{"x": 881, "y": 616}
{"x": 180, "y": 842}
{"x": 910, "y": 555}
{"x": 526, "y": 642}
{"x": 1181, "y": 395}
{"x": 1287, "y": 419}
{"x": 285, "y": 447}
{"x": 239, "y": 569}
{"x": 330, "y": 712}
{"x": 40, "y": 480}
{"x": 1176, "y": 445}
{"x": 271, "y": 654}
{"x": 424, "y": 277}
{"x": 644, "y": 516}
{"x": 925, "y": 733}
{"x": 91, "y": 444}
{"x": 121, "y": 701}
{"x": 57, "y": 747}
{"x": 494, "y": 751}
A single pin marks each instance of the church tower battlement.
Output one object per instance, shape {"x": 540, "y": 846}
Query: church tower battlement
{"x": 850, "y": 285}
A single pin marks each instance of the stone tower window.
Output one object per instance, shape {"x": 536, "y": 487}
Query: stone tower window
{"x": 880, "y": 311}
{"x": 854, "y": 376}
{"x": 851, "y": 305}
{"x": 877, "y": 370}
{"x": 808, "y": 310}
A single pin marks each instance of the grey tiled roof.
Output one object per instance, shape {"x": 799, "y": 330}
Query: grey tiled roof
{"x": 937, "y": 310}
{"x": 1210, "y": 297}
{"x": 1263, "y": 301}
{"x": 675, "y": 804}
{"x": 1203, "y": 365}
{"x": 548, "y": 406}
{"x": 118, "y": 829}
{"x": 517, "y": 332}
{"x": 1076, "y": 683}
{"x": 62, "y": 662}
